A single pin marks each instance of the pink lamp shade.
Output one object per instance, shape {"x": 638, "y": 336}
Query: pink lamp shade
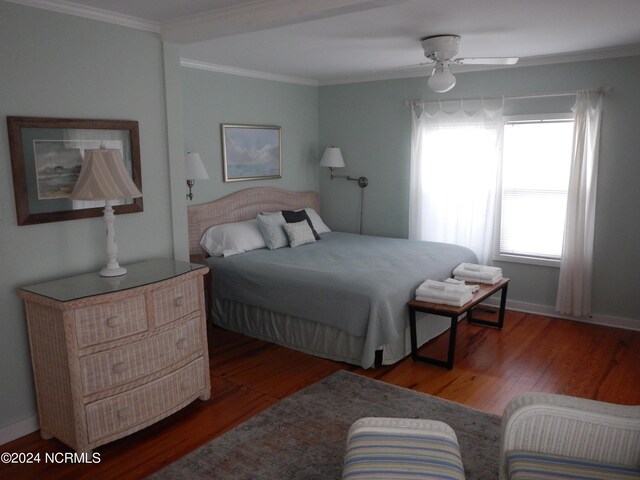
{"x": 104, "y": 177}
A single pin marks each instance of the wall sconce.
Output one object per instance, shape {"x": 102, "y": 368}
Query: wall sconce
{"x": 103, "y": 176}
{"x": 332, "y": 159}
{"x": 194, "y": 170}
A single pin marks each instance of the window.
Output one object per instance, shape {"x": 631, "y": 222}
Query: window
{"x": 455, "y": 163}
{"x": 535, "y": 177}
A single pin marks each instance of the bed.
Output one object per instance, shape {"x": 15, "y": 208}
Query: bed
{"x": 343, "y": 297}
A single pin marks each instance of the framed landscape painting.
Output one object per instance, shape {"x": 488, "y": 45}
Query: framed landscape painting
{"x": 46, "y": 157}
{"x": 251, "y": 152}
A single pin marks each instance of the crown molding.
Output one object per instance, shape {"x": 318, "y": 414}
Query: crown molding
{"x": 418, "y": 70}
{"x": 234, "y": 18}
{"x": 242, "y": 72}
{"x": 70, "y": 8}
{"x": 582, "y": 56}
{"x": 425, "y": 70}
{"x": 237, "y": 18}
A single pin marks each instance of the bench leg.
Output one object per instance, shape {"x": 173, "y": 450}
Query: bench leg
{"x": 500, "y": 323}
{"x": 433, "y": 361}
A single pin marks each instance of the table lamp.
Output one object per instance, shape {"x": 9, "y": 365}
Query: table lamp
{"x": 104, "y": 177}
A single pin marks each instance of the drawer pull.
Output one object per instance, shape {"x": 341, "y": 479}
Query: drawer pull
{"x": 181, "y": 344}
{"x": 178, "y": 302}
{"x": 118, "y": 367}
{"x": 115, "y": 321}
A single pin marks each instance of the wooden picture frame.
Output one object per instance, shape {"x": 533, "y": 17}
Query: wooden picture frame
{"x": 46, "y": 155}
{"x": 251, "y": 152}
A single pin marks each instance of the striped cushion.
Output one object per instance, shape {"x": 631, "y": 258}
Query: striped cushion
{"x": 531, "y": 466}
{"x": 402, "y": 456}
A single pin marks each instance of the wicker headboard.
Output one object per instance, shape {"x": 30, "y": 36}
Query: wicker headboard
{"x": 243, "y": 205}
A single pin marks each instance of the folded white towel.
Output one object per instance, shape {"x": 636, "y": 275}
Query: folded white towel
{"x": 490, "y": 280}
{"x": 450, "y": 285}
{"x": 453, "y": 281}
{"x": 445, "y": 293}
{"x": 486, "y": 279}
{"x": 474, "y": 267}
{"x": 477, "y": 273}
{"x": 453, "y": 301}
{"x": 444, "y": 286}
{"x": 448, "y": 294}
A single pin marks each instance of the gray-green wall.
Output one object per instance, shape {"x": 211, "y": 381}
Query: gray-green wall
{"x": 371, "y": 124}
{"x": 62, "y": 66}
{"x": 210, "y": 99}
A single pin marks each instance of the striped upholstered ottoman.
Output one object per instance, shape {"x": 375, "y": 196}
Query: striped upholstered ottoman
{"x": 402, "y": 448}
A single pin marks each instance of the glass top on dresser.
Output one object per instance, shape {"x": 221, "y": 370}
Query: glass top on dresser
{"x": 90, "y": 284}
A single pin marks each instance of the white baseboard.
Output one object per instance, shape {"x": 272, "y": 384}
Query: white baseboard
{"x": 19, "y": 429}
{"x": 547, "y": 311}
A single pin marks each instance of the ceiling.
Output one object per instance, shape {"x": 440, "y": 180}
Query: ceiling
{"x": 334, "y": 41}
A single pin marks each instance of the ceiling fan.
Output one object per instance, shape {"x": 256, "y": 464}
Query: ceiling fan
{"x": 440, "y": 49}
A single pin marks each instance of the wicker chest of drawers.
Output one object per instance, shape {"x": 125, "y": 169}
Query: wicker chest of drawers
{"x": 114, "y": 355}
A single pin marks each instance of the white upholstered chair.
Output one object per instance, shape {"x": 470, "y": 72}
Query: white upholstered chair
{"x": 565, "y": 428}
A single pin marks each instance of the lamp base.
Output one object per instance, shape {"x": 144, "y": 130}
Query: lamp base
{"x": 113, "y": 272}
{"x": 112, "y": 268}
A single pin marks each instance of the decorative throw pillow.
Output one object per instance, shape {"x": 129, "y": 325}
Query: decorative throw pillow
{"x": 271, "y": 226}
{"x": 232, "y": 238}
{"x": 299, "y": 233}
{"x": 293, "y": 217}
{"x": 318, "y": 225}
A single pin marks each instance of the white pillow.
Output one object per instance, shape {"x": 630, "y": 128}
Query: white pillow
{"x": 232, "y": 238}
{"x": 318, "y": 224}
{"x": 271, "y": 226}
{"x": 299, "y": 233}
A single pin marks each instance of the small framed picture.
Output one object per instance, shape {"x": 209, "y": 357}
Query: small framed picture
{"x": 251, "y": 152}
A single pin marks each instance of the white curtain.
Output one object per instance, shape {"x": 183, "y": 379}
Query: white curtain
{"x": 574, "y": 286}
{"x": 455, "y": 174}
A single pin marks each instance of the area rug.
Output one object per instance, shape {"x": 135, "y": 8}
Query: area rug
{"x": 303, "y": 436}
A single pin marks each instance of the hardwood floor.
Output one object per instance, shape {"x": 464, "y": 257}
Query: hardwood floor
{"x": 532, "y": 353}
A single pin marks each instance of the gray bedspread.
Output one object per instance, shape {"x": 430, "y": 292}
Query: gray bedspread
{"x": 357, "y": 283}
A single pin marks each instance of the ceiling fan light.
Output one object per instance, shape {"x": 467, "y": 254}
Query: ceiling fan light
{"x": 441, "y": 80}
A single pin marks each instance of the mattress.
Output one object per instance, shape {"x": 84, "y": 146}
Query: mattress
{"x": 355, "y": 284}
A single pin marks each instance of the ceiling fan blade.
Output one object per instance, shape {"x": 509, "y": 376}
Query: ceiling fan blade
{"x": 487, "y": 61}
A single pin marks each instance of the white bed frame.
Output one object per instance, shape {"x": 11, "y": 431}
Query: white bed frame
{"x": 303, "y": 335}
